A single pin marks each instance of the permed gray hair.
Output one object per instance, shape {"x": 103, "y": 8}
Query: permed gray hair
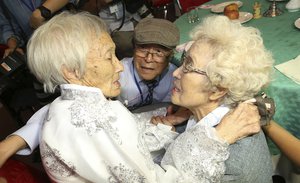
{"x": 240, "y": 63}
{"x": 63, "y": 40}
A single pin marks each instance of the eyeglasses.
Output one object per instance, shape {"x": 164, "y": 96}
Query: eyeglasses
{"x": 157, "y": 55}
{"x": 187, "y": 65}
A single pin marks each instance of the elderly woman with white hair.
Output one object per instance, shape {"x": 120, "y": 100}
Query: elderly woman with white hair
{"x": 87, "y": 137}
{"x": 226, "y": 64}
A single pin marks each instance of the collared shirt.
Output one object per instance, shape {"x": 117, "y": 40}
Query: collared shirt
{"x": 20, "y": 12}
{"x": 130, "y": 94}
{"x": 211, "y": 120}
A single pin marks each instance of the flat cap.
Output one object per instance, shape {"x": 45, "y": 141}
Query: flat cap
{"x": 156, "y": 31}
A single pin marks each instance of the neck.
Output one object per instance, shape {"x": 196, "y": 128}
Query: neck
{"x": 201, "y": 111}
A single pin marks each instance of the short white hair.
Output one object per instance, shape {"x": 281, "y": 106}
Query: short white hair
{"x": 63, "y": 40}
{"x": 241, "y": 64}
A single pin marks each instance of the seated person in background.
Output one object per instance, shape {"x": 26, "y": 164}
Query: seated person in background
{"x": 82, "y": 119}
{"x": 286, "y": 142}
{"x": 226, "y": 65}
{"x": 147, "y": 77}
{"x": 16, "y": 18}
{"x": 89, "y": 138}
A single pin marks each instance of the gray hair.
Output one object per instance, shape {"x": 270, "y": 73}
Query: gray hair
{"x": 240, "y": 63}
{"x": 63, "y": 40}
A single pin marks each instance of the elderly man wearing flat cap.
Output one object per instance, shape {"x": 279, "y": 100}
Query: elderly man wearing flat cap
{"x": 147, "y": 77}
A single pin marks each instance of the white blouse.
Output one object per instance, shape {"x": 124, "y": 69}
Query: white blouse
{"x": 87, "y": 138}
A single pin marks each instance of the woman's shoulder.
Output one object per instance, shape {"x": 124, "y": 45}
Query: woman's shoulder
{"x": 249, "y": 160}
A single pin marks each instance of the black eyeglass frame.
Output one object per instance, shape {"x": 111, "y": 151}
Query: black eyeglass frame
{"x": 158, "y": 57}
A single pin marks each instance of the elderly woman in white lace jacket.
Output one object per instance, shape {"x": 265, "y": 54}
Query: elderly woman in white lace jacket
{"x": 87, "y": 137}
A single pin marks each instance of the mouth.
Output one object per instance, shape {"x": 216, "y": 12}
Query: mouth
{"x": 117, "y": 83}
{"x": 175, "y": 88}
{"x": 147, "y": 69}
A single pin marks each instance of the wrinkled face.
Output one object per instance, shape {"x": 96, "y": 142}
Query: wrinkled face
{"x": 190, "y": 79}
{"x": 103, "y": 67}
{"x": 150, "y": 60}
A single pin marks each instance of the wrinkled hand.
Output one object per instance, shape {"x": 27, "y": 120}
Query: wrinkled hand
{"x": 12, "y": 44}
{"x": 179, "y": 116}
{"x": 172, "y": 118}
{"x": 242, "y": 122}
{"x": 163, "y": 120}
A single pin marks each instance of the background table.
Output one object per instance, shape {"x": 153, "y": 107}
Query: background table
{"x": 282, "y": 38}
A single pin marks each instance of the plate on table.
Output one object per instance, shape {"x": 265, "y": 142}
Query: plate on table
{"x": 219, "y": 8}
{"x": 297, "y": 23}
{"x": 244, "y": 17}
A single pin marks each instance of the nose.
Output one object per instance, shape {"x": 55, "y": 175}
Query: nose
{"x": 177, "y": 73}
{"x": 118, "y": 65}
{"x": 149, "y": 57}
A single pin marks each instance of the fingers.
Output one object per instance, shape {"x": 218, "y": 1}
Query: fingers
{"x": 246, "y": 113}
{"x": 20, "y": 51}
{"x": 249, "y": 130}
{"x": 241, "y": 122}
{"x": 249, "y": 120}
{"x": 7, "y": 52}
{"x": 155, "y": 120}
{"x": 161, "y": 119}
{"x": 10, "y": 50}
{"x": 169, "y": 110}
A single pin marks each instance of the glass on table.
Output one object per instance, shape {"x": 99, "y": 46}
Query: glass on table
{"x": 192, "y": 14}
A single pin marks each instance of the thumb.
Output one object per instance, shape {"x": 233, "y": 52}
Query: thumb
{"x": 169, "y": 110}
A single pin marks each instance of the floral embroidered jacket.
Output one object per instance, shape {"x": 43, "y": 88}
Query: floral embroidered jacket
{"x": 87, "y": 138}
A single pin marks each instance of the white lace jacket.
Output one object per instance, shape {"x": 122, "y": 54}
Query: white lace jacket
{"x": 87, "y": 138}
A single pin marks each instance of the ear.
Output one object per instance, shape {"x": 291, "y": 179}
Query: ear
{"x": 218, "y": 94}
{"x": 70, "y": 76}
